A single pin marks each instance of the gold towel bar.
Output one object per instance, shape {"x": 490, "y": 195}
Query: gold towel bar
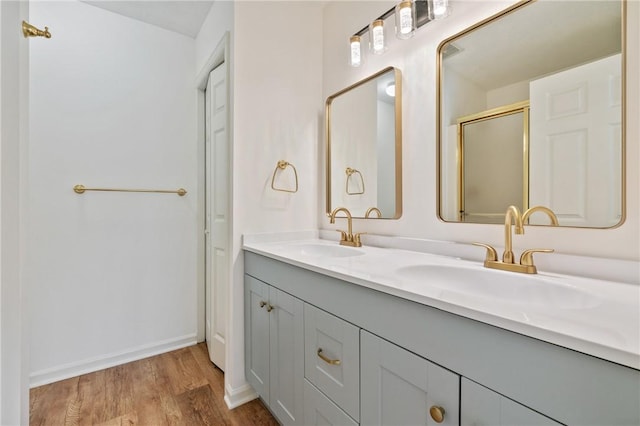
{"x": 80, "y": 189}
{"x": 281, "y": 166}
{"x": 350, "y": 172}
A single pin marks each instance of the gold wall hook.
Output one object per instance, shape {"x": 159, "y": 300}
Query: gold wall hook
{"x": 29, "y": 30}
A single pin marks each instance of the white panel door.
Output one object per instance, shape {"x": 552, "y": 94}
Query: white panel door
{"x": 217, "y": 205}
{"x": 574, "y": 157}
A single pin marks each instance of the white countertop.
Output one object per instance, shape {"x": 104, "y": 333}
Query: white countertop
{"x": 598, "y": 317}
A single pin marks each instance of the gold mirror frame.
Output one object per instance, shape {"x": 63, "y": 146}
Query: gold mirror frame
{"x": 439, "y": 103}
{"x": 352, "y": 173}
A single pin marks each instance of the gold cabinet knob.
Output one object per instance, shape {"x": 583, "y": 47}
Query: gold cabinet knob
{"x": 269, "y": 307}
{"x": 437, "y": 413}
{"x": 262, "y": 303}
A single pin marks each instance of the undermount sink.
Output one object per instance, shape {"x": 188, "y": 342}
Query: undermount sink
{"x": 325, "y": 250}
{"x": 500, "y": 286}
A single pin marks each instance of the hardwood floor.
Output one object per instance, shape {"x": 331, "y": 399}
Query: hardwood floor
{"x": 177, "y": 388}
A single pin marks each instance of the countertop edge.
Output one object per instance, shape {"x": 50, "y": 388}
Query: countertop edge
{"x": 607, "y": 353}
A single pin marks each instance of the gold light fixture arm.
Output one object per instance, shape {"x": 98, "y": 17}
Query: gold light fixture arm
{"x": 29, "y": 30}
{"x": 81, "y": 189}
{"x": 282, "y": 164}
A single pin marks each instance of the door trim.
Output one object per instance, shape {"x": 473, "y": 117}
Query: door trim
{"x": 219, "y": 55}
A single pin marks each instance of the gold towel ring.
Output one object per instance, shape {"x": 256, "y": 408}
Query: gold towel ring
{"x": 282, "y": 164}
{"x": 350, "y": 172}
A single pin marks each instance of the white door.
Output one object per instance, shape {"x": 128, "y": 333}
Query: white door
{"x": 217, "y": 208}
{"x": 574, "y": 159}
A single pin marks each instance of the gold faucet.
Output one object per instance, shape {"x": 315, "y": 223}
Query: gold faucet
{"x": 373, "y": 210}
{"x": 512, "y": 214}
{"x": 548, "y": 211}
{"x": 346, "y": 238}
{"x": 526, "y": 264}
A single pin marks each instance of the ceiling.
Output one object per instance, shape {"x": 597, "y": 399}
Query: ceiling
{"x": 539, "y": 39}
{"x": 182, "y": 16}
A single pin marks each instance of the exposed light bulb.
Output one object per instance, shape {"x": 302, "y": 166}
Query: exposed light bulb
{"x": 440, "y": 9}
{"x": 405, "y": 19}
{"x": 355, "y": 54}
{"x": 376, "y": 37}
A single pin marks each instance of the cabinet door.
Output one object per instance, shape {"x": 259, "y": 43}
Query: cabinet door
{"x": 286, "y": 357}
{"x": 332, "y": 358}
{"x": 257, "y": 336}
{"x": 480, "y": 406}
{"x": 400, "y": 388}
{"x": 320, "y": 411}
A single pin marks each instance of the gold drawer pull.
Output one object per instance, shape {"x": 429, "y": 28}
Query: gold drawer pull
{"x": 437, "y": 414}
{"x": 327, "y": 360}
{"x": 268, "y": 305}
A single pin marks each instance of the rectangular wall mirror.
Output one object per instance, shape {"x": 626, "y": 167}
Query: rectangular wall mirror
{"x": 364, "y": 147}
{"x": 531, "y": 112}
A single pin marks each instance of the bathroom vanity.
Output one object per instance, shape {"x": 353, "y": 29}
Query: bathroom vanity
{"x": 337, "y": 335}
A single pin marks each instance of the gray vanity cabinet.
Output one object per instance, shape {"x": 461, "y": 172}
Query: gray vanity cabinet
{"x": 274, "y": 344}
{"x": 319, "y": 410}
{"x": 413, "y": 357}
{"x": 481, "y": 406}
{"x": 401, "y": 388}
{"x": 332, "y": 358}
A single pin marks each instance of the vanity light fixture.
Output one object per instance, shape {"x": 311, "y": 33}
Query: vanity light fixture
{"x": 405, "y": 19}
{"x": 390, "y": 90}
{"x": 355, "y": 51}
{"x": 440, "y": 9}
{"x": 377, "y": 42}
{"x": 409, "y": 16}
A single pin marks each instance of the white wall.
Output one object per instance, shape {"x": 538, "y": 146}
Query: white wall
{"x": 278, "y": 115}
{"x": 417, "y": 60}
{"x": 113, "y": 275}
{"x": 14, "y": 351}
{"x": 353, "y": 144}
{"x": 218, "y": 21}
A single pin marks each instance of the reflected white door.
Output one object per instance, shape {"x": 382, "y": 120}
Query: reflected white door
{"x": 575, "y": 155}
{"x": 217, "y": 208}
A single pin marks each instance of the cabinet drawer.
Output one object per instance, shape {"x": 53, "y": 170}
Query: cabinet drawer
{"x": 319, "y": 410}
{"x": 332, "y": 358}
{"x": 482, "y": 406}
